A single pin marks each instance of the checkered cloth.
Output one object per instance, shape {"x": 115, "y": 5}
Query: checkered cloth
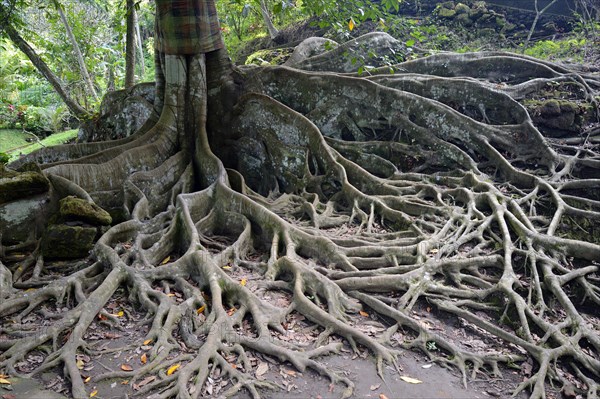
{"x": 187, "y": 27}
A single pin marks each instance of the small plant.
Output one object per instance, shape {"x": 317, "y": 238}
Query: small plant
{"x": 4, "y": 158}
{"x": 430, "y": 345}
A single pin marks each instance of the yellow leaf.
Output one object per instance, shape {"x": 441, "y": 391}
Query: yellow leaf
{"x": 227, "y": 267}
{"x": 201, "y": 309}
{"x": 87, "y": 379}
{"x": 410, "y": 380}
{"x": 243, "y": 282}
{"x": 126, "y": 367}
{"x": 143, "y": 359}
{"x": 4, "y": 381}
{"x": 363, "y": 313}
{"x": 170, "y": 294}
{"x": 166, "y": 260}
{"x": 173, "y": 368}
{"x": 124, "y": 382}
{"x": 147, "y": 342}
{"x": 80, "y": 364}
{"x": 231, "y": 311}
{"x": 351, "y": 24}
{"x": 94, "y": 393}
{"x": 120, "y": 314}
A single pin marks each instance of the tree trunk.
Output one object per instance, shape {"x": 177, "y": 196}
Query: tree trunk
{"x": 140, "y": 44}
{"x": 80, "y": 61}
{"x": 130, "y": 46}
{"x": 273, "y": 32}
{"x": 45, "y": 71}
{"x": 538, "y": 14}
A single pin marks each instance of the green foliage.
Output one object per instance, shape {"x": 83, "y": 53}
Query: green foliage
{"x": 572, "y": 48}
{"x": 4, "y": 158}
{"x": 14, "y": 142}
{"x": 31, "y": 118}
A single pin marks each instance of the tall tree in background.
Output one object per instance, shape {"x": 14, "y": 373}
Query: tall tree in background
{"x": 130, "y": 44}
{"x": 76, "y": 50}
{"x": 265, "y": 197}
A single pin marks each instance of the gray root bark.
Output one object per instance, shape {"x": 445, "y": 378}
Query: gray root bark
{"x": 335, "y": 193}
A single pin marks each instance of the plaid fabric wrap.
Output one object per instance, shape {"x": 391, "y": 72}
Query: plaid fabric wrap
{"x": 187, "y": 27}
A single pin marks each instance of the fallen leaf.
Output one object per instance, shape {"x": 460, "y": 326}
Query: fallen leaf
{"x": 382, "y": 396}
{"x": 200, "y": 309}
{"x": 410, "y": 380}
{"x": 87, "y": 379}
{"x": 243, "y": 282}
{"x": 93, "y": 393}
{"x": 166, "y": 260}
{"x": 374, "y": 387}
{"x": 231, "y": 311}
{"x": 173, "y": 368}
{"x": 426, "y": 366}
{"x": 143, "y": 358}
{"x": 9, "y": 396}
{"x": 363, "y": 313}
{"x": 227, "y": 267}
{"x": 120, "y": 314}
{"x": 4, "y": 381}
{"x": 147, "y": 342}
{"x": 262, "y": 369}
{"x": 171, "y": 294}
{"x": 80, "y": 364}
{"x": 126, "y": 367}
{"x": 124, "y": 382}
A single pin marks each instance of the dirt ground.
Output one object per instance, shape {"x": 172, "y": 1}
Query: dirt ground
{"x": 120, "y": 346}
{"x": 436, "y": 382}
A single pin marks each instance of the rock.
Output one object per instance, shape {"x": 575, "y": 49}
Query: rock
{"x": 68, "y": 242}
{"x": 23, "y": 219}
{"x": 76, "y": 209}
{"x": 21, "y": 184}
{"x": 122, "y": 113}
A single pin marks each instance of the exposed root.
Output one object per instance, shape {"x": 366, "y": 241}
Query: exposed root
{"x": 345, "y": 196}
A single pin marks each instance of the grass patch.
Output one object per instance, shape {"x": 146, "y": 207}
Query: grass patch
{"x": 14, "y": 150}
{"x": 12, "y": 138}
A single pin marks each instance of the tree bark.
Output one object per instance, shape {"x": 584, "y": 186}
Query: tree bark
{"x": 43, "y": 69}
{"x": 130, "y": 46}
{"x": 140, "y": 44}
{"x": 80, "y": 61}
{"x": 273, "y": 32}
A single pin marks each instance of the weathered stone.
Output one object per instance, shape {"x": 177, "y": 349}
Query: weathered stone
{"x": 15, "y": 185}
{"x": 462, "y": 8}
{"x": 122, "y": 113}
{"x": 73, "y": 208}
{"x": 68, "y": 242}
{"x": 23, "y": 219}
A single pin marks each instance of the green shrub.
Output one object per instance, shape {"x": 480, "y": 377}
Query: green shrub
{"x": 4, "y": 158}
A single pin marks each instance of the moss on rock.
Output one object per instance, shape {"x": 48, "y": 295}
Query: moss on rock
{"x": 73, "y": 208}
{"x": 21, "y": 184}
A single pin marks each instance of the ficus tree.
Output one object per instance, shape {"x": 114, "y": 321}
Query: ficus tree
{"x": 341, "y": 195}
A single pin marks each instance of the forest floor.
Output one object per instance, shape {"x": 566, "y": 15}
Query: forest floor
{"x": 124, "y": 349}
